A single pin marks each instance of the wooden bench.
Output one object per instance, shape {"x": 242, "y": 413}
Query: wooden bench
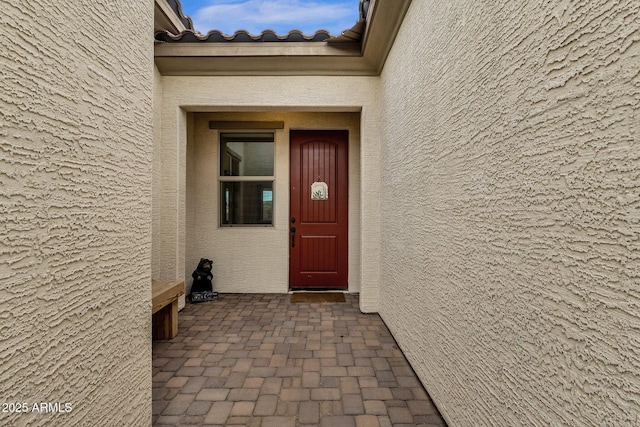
{"x": 165, "y": 307}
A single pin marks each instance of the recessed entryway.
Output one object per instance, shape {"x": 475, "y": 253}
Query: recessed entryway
{"x": 238, "y": 212}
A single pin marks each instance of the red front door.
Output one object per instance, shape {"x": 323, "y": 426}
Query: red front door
{"x": 318, "y": 256}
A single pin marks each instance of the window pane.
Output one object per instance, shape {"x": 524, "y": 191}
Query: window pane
{"x": 247, "y": 203}
{"x": 246, "y": 154}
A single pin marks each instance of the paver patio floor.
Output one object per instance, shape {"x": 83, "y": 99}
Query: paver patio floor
{"x": 258, "y": 360}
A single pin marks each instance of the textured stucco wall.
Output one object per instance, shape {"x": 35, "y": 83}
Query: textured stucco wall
{"x": 75, "y": 212}
{"x": 511, "y": 209}
{"x": 256, "y": 259}
{"x": 255, "y": 94}
{"x": 156, "y": 212}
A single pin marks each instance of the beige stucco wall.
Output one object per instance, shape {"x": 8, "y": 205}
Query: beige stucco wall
{"x": 510, "y": 198}
{"x": 75, "y": 209}
{"x": 156, "y": 212}
{"x": 264, "y": 94}
{"x": 256, "y": 259}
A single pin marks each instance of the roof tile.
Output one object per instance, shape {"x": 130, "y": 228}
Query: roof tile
{"x": 351, "y": 35}
{"x": 242, "y": 36}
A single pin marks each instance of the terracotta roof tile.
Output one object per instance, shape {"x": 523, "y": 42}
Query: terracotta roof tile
{"x": 177, "y": 9}
{"x": 215, "y": 36}
{"x": 352, "y": 35}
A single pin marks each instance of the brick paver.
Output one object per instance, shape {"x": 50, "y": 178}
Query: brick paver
{"x": 258, "y": 360}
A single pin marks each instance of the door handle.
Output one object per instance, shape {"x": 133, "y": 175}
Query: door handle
{"x": 293, "y": 237}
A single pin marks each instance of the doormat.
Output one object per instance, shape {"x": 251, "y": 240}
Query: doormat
{"x": 320, "y": 297}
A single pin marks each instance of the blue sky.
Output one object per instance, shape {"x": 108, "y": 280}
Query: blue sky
{"x": 228, "y": 16}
